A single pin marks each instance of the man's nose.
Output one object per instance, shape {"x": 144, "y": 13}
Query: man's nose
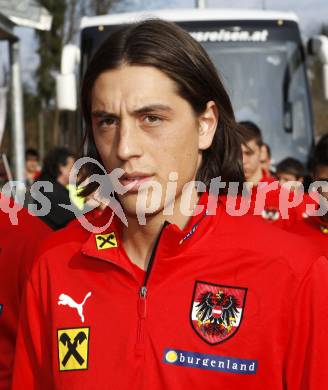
{"x": 129, "y": 143}
{"x": 245, "y": 159}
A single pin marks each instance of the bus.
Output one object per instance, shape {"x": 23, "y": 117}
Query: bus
{"x": 260, "y": 58}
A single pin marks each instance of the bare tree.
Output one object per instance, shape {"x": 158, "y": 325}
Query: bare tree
{"x": 78, "y": 8}
{"x": 100, "y": 7}
{"x": 72, "y": 20}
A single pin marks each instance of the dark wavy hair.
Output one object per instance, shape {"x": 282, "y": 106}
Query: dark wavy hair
{"x": 291, "y": 166}
{"x": 54, "y": 160}
{"x": 169, "y": 48}
{"x": 321, "y": 152}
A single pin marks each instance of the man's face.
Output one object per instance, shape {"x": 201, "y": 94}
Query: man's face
{"x": 251, "y": 159}
{"x": 65, "y": 170}
{"x": 321, "y": 174}
{"x": 32, "y": 164}
{"x": 289, "y": 180}
{"x": 265, "y": 159}
{"x": 284, "y": 177}
{"x": 141, "y": 125}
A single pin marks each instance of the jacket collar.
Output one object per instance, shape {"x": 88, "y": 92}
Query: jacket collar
{"x": 107, "y": 246}
{"x": 267, "y": 179}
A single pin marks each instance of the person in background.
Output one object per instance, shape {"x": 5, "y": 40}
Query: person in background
{"x": 253, "y": 154}
{"x": 290, "y": 170}
{"x": 266, "y": 159}
{"x": 258, "y": 180}
{"x": 290, "y": 173}
{"x": 316, "y": 227}
{"x": 56, "y": 169}
{"x": 18, "y": 246}
{"x": 32, "y": 171}
{"x": 32, "y": 165}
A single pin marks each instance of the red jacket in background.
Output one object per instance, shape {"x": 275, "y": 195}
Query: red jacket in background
{"x": 315, "y": 230}
{"x": 18, "y": 245}
{"x": 221, "y": 306}
{"x": 276, "y": 208}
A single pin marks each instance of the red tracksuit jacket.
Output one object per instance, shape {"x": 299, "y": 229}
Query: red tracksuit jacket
{"x": 275, "y": 208}
{"x": 18, "y": 244}
{"x": 315, "y": 230}
{"x": 220, "y": 307}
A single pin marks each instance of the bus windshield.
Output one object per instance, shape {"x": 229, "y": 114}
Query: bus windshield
{"x": 267, "y": 85}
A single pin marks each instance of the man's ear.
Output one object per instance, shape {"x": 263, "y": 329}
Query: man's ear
{"x": 208, "y": 122}
{"x": 60, "y": 169}
{"x": 262, "y": 153}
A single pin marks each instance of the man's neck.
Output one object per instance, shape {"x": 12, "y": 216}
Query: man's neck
{"x": 61, "y": 180}
{"x": 257, "y": 177}
{"x": 139, "y": 240}
{"x": 30, "y": 175}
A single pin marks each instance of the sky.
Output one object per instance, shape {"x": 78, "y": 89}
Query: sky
{"x": 312, "y": 14}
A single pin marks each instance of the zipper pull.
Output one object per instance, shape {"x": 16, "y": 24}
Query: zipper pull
{"x": 142, "y": 302}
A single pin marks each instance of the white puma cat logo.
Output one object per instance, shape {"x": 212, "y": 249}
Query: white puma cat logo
{"x": 66, "y": 300}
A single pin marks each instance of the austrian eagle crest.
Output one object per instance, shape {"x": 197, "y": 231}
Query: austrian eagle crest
{"x": 217, "y": 311}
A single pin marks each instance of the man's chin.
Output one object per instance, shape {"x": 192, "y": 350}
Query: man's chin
{"x": 140, "y": 206}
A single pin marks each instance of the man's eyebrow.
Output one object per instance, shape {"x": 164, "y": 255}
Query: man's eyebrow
{"x": 103, "y": 114}
{"x": 153, "y": 107}
{"x": 142, "y": 110}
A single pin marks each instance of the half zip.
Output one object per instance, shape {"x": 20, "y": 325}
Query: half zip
{"x": 142, "y": 301}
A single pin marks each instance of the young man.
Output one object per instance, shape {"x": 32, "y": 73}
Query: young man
{"x": 18, "y": 246}
{"x": 316, "y": 227}
{"x": 291, "y": 173}
{"x": 32, "y": 171}
{"x": 190, "y": 302}
{"x": 32, "y": 165}
{"x": 253, "y": 154}
{"x": 290, "y": 170}
{"x": 266, "y": 159}
{"x": 268, "y": 198}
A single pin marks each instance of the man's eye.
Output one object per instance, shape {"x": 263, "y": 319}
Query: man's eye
{"x": 107, "y": 122}
{"x": 152, "y": 119}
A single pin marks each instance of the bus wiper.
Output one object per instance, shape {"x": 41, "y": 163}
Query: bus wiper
{"x": 293, "y": 64}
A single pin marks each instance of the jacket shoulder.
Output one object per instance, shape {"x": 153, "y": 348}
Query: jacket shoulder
{"x": 270, "y": 243}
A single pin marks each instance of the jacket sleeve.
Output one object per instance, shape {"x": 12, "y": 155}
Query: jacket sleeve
{"x": 307, "y": 355}
{"x": 32, "y": 367}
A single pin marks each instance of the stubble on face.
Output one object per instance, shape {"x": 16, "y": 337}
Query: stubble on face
{"x": 142, "y": 125}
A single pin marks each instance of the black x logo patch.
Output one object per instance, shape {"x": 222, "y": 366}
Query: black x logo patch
{"x": 73, "y": 348}
{"x": 105, "y": 241}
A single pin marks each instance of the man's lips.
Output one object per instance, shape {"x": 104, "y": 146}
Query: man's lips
{"x": 134, "y": 180}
